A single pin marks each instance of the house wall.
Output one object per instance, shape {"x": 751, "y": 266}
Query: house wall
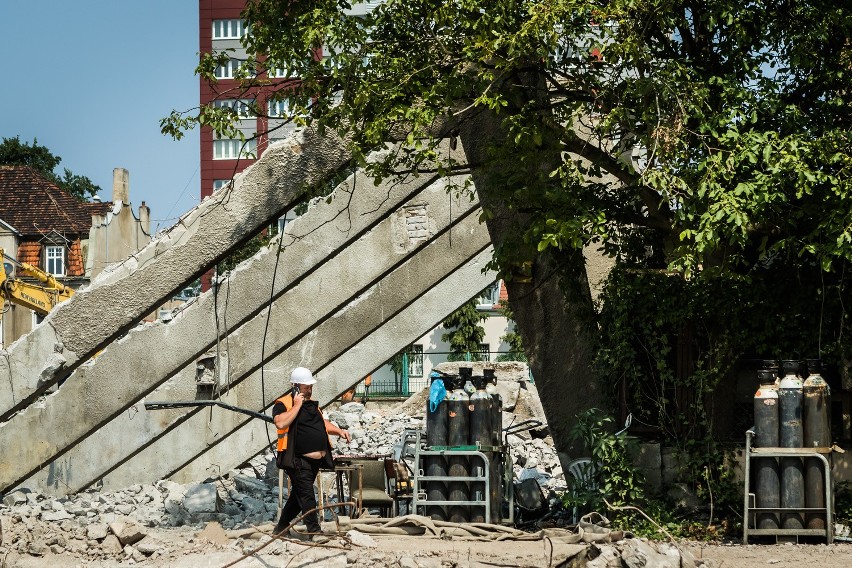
{"x": 436, "y": 351}
{"x": 118, "y": 234}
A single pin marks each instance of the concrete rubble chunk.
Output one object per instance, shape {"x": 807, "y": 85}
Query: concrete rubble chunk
{"x": 111, "y": 545}
{"x": 250, "y": 486}
{"x": 352, "y": 407}
{"x": 149, "y": 546}
{"x": 360, "y": 539}
{"x": 97, "y": 531}
{"x": 606, "y": 557}
{"x": 15, "y": 498}
{"x": 202, "y": 498}
{"x": 54, "y": 516}
{"x": 127, "y": 532}
{"x": 636, "y": 553}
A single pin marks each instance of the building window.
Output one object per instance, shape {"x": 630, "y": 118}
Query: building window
{"x": 229, "y": 70}
{"x": 288, "y": 218}
{"x": 242, "y": 107}
{"x": 484, "y": 352}
{"x": 490, "y": 297}
{"x": 220, "y": 183}
{"x": 37, "y": 319}
{"x": 415, "y": 361}
{"x": 230, "y": 149}
{"x": 278, "y": 109}
{"x": 54, "y": 260}
{"x": 229, "y": 29}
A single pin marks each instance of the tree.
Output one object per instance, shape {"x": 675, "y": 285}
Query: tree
{"x": 706, "y": 138}
{"x": 13, "y": 152}
{"x": 464, "y": 332}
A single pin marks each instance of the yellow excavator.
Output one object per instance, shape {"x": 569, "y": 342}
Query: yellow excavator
{"x": 39, "y": 298}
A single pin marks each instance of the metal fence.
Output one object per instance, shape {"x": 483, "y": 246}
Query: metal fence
{"x": 409, "y": 372}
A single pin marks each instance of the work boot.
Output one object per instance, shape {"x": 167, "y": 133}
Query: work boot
{"x": 319, "y": 539}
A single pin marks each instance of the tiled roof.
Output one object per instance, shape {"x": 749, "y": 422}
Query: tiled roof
{"x": 30, "y": 252}
{"x": 98, "y": 207}
{"x": 74, "y": 265}
{"x": 35, "y": 206}
{"x": 504, "y": 295}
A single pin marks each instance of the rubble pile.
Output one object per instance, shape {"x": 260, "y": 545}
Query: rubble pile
{"x": 96, "y": 525}
{"x": 533, "y": 453}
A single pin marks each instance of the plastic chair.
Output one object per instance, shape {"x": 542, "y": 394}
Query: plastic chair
{"x": 582, "y": 471}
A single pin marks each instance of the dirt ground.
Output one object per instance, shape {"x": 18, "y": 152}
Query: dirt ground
{"x": 838, "y": 555}
{"x": 185, "y": 548}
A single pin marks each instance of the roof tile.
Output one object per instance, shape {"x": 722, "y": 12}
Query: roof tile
{"x": 34, "y": 205}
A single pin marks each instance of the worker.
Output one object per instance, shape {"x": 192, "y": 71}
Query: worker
{"x": 304, "y": 447}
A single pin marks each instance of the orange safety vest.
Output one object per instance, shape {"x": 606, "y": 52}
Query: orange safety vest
{"x": 287, "y": 401}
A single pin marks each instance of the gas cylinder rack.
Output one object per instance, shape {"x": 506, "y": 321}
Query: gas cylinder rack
{"x": 792, "y": 495}
{"x": 419, "y": 498}
{"x": 749, "y": 511}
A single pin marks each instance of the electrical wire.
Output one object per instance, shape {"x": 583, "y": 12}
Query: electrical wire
{"x": 266, "y": 331}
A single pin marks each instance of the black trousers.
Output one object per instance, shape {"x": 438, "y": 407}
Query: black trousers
{"x": 301, "y": 496}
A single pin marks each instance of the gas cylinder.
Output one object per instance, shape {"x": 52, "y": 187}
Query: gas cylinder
{"x": 458, "y": 413}
{"x": 480, "y": 435}
{"x": 817, "y": 434}
{"x": 791, "y": 436}
{"x": 496, "y": 406}
{"x": 436, "y": 466}
{"x": 767, "y": 482}
{"x": 772, "y": 366}
{"x": 496, "y": 465}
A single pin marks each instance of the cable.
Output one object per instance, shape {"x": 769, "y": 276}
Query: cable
{"x": 265, "y": 332}
{"x": 179, "y": 196}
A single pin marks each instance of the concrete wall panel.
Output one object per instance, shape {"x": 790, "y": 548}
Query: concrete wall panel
{"x": 245, "y": 438}
{"x": 119, "y": 299}
{"x": 315, "y": 297}
{"x": 322, "y": 343}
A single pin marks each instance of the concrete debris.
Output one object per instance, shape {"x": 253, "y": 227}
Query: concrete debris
{"x": 217, "y": 521}
{"x": 360, "y": 539}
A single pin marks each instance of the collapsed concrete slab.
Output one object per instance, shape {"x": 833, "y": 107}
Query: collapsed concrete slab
{"x": 451, "y": 291}
{"x": 333, "y": 338}
{"x": 362, "y": 263}
{"x": 120, "y": 298}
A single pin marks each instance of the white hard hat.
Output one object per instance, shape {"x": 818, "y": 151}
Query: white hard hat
{"x": 302, "y": 376}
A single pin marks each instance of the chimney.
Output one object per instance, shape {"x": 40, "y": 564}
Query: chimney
{"x": 145, "y": 218}
{"x": 121, "y": 185}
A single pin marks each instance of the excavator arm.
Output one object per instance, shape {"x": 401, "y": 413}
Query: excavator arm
{"x": 39, "y": 298}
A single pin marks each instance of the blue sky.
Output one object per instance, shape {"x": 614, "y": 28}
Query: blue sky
{"x": 91, "y": 79}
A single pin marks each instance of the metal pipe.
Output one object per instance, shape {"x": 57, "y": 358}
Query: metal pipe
{"x": 189, "y": 403}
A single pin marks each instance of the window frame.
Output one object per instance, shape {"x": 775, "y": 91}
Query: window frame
{"x": 490, "y": 297}
{"x": 50, "y": 259}
{"x": 278, "y": 104}
{"x": 234, "y": 149}
{"x": 415, "y": 360}
{"x": 230, "y": 27}
{"x": 229, "y": 70}
{"x": 242, "y": 107}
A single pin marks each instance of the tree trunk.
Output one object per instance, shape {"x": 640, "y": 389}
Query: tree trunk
{"x": 552, "y": 307}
